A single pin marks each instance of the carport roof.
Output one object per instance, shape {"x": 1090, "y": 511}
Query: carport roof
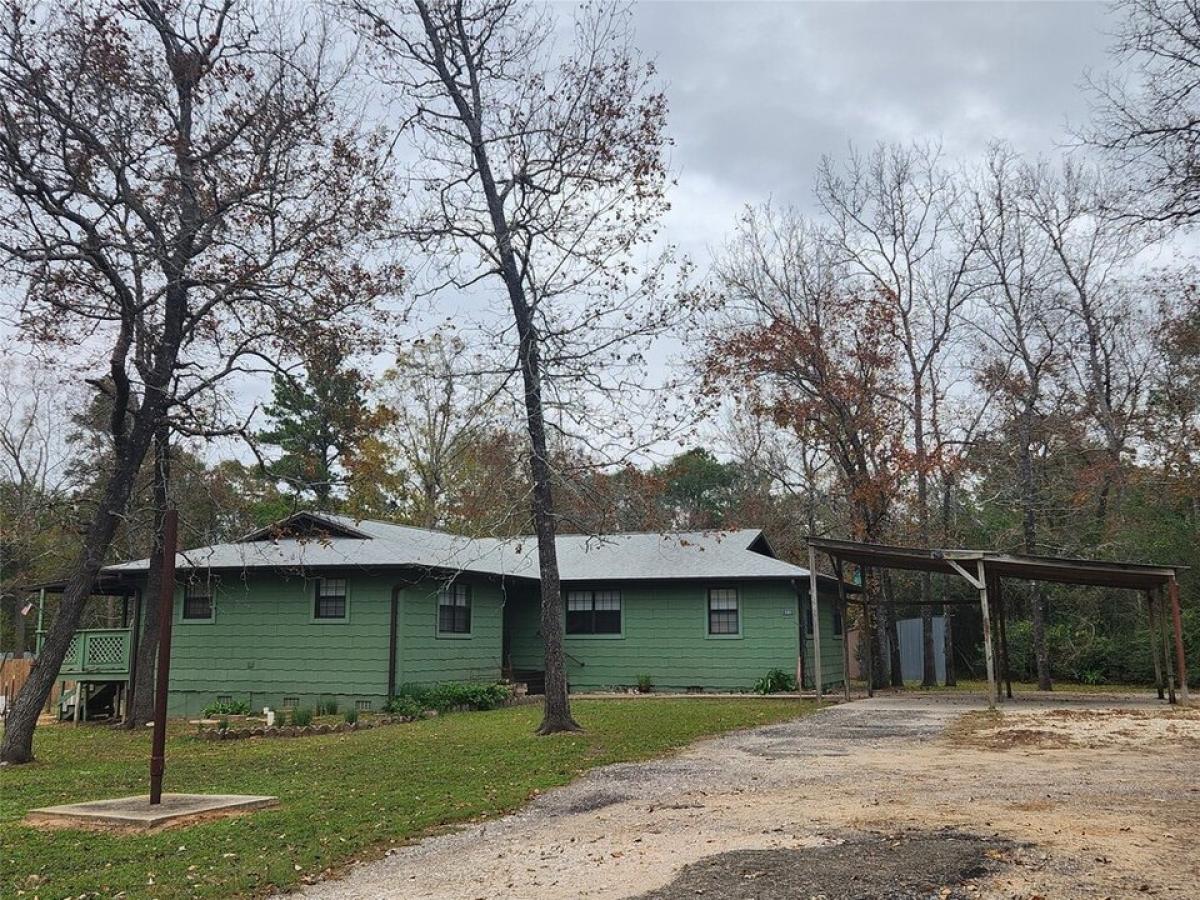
{"x": 1061, "y": 569}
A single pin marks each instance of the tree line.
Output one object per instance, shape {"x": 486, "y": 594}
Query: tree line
{"x": 195, "y": 199}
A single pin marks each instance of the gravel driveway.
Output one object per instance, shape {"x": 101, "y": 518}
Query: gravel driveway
{"x": 896, "y": 797}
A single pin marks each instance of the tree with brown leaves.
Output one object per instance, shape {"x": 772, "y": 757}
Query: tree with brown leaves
{"x": 541, "y": 171}
{"x": 180, "y": 192}
{"x": 818, "y": 360}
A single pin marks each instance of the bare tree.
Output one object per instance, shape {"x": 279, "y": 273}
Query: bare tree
{"x": 440, "y": 402}
{"x": 1091, "y": 253}
{"x": 893, "y": 216}
{"x": 1025, "y": 330}
{"x": 1147, "y": 111}
{"x": 544, "y": 171}
{"x": 178, "y": 189}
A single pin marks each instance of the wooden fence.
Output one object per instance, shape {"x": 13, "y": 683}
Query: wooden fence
{"x": 13, "y": 674}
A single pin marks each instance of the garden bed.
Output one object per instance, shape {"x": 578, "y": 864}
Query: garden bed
{"x": 292, "y": 731}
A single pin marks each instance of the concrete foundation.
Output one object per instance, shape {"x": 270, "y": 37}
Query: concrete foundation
{"x": 136, "y": 813}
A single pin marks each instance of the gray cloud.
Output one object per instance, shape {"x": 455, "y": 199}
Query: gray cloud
{"x": 759, "y": 92}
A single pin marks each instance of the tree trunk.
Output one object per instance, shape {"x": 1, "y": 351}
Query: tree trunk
{"x": 141, "y": 699}
{"x": 893, "y": 631}
{"x": 1029, "y": 531}
{"x": 928, "y": 654}
{"x": 556, "y": 715}
{"x": 878, "y": 636}
{"x": 947, "y": 608}
{"x": 18, "y": 733}
{"x": 928, "y": 662}
{"x": 948, "y": 642}
{"x": 1040, "y": 650}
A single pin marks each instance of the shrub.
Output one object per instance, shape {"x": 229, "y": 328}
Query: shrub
{"x": 227, "y": 708}
{"x": 222, "y": 724}
{"x": 327, "y": 708}
{"x": 644, "y": 684}
{"x": 351, "y": 716}
{"x": 447, "y": 696}
{"x": 404, "y": 706}
{"x": 775, "y": 681}
{"x": 302, "y": 716}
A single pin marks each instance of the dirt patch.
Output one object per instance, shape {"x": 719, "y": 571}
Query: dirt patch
{"x": 1065, "y": 729}
{"x": 879, "y": 867}
{"x": 1113, "y": 815}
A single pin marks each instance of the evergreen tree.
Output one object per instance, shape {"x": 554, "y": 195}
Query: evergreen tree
{"x": 319, "y": 422}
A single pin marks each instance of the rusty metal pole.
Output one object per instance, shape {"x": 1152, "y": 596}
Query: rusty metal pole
{"x": 982, "y": 581}
{"x": 166, "y": 607}
{"x": 816, "y": 617}
{"x": 1180, "y": 660}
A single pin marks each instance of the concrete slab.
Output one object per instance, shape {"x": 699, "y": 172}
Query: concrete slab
{"x": 136, "y": 813}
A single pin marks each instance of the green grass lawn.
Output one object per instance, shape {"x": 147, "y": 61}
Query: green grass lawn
{"x": 343, "y": 797}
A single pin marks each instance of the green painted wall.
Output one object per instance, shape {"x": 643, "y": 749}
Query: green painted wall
{"x": 263, "y": 644}
{"x": 831, "y": 644}
{"x": 665, "y": 635}
{"x": 424, "y": 656}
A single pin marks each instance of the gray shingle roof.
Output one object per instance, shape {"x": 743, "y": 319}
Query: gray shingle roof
{"x": 615, "y": 557}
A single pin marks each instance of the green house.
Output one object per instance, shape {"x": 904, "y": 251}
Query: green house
{"x": 321, "y": 607}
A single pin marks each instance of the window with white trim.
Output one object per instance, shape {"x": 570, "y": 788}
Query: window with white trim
{"x": 593, "y": 612}
{"x": 454, "y": 609}
{"x": 723, "y": 611}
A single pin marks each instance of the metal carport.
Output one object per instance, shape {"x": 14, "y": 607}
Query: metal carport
{"x": 983, "y": 570}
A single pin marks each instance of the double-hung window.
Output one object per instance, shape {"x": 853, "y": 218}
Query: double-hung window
{"x": 330, "y": 599}
{"x": 723, "y": 611}
{"x": 454, "y": 609}
{"x": 593, "y": 612}
{"x": 197, "y": 601}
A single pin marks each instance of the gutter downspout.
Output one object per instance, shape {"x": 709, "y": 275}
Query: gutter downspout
{"x": 800, "y": 636}
{"x": 393, "y": 626}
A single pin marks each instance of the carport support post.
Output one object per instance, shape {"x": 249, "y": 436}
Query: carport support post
{"x": 837, "y": 567}
{"x": 1164, "y": 641}
{"x": 1180, "y": 660}
{"x": 981, "y": 571}
{"x": 816, "y": 617}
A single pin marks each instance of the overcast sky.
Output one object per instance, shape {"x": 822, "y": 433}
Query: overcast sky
{"x": 760, "y": 91}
